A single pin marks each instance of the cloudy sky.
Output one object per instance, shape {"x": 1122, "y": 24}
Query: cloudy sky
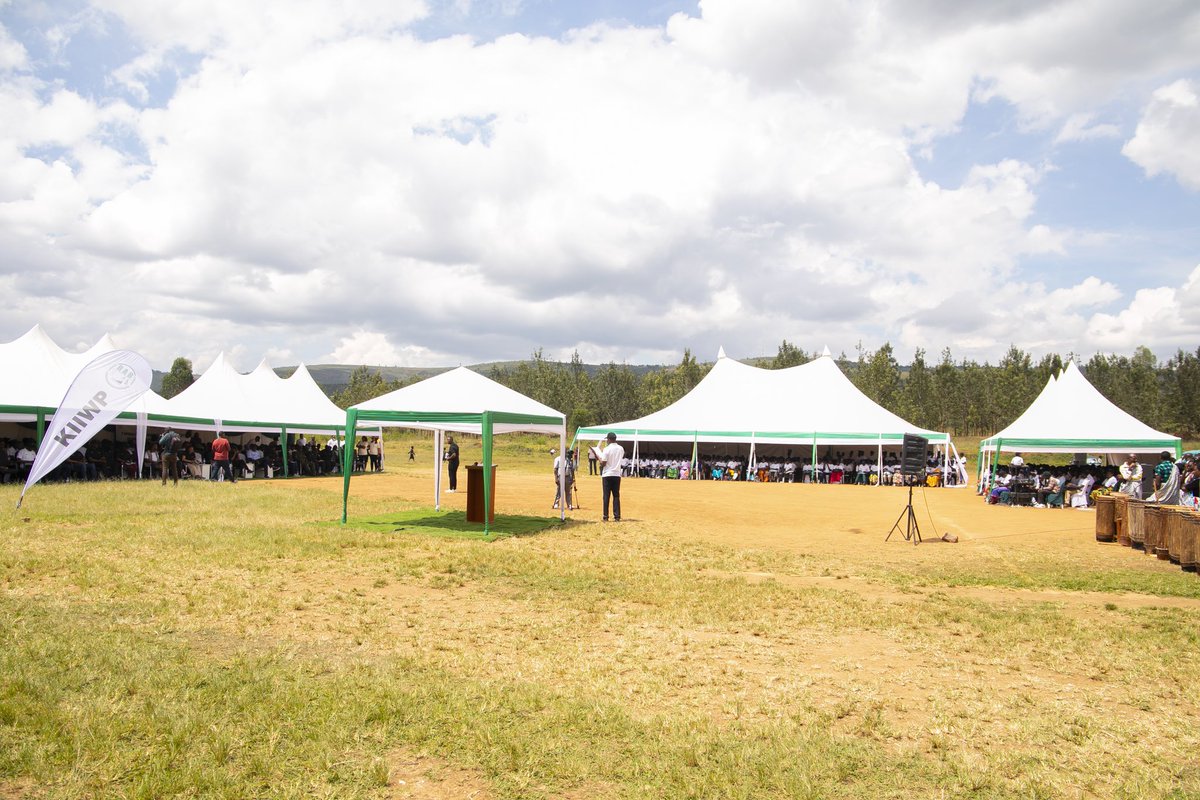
{"x": 434, "y": 182}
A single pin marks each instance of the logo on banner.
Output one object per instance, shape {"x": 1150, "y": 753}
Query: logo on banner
{"x": 120, "y": 376}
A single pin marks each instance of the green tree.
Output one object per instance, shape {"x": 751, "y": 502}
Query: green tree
{"x": 788, "y": 356}
{"x": 661, "y": 389}
{"x": 916, "y": 396}
{"x": 364, "y": 385}
{"x": 179, "y": 378}
{"x": 616, "y": 394}
{"x": 878, "y": 377}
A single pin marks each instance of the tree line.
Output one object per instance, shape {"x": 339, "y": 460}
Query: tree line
{"x": 960, "y": 396}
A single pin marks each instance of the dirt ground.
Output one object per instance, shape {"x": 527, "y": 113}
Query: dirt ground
{"x": 855, "y": 677}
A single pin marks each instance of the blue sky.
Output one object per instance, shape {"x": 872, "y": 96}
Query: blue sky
{"x": 404, "y": 182}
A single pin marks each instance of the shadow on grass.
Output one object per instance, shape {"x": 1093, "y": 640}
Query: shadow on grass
{"x": 451, "y": 524}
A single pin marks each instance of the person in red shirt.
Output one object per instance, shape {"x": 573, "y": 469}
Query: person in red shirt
{"x": 220, "y": 454}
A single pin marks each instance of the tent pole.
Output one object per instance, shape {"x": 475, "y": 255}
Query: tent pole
{"x": 945, "y": 461}
{"x": 879, "y": 463}
{"x": 750, "y": 465}
{"x": 637, "y": 469}
{"x": 41, "y": 428}
{"x": 487, "y": 473}
{"x": 695, "y": 456}
{"x": 813, "y": 473}
{"x": 347, "y": 458}
{"x": 283, "y": 432}
{"x": 996, "y": 460}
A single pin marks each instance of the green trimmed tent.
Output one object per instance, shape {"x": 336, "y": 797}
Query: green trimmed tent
{"x": 811, "y": 405}
{"x": 458, "y": 401}
{"x": 1071, "y": 416}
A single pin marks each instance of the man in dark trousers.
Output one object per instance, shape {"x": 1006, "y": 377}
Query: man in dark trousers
{"x": 610, "y": 475}
{"x": 220, "y": 454}
{"x": 452, "y": 463}
{"x": 168, "y": 444}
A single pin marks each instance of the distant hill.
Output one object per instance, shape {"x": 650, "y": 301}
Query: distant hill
{"x": 335, "y": 377}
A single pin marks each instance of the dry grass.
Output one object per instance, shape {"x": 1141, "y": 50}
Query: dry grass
{"x": 724, "y": 641}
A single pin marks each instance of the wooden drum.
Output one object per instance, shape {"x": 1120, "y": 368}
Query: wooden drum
{"x": 1154, "y": 517}
{"x": 1174, "y": 528}
{"x": 1120, "y": 520}
{"x": 1135, "y": 522}
{"x": 1106, "y": 524}
{"x": 1189, "y": 539}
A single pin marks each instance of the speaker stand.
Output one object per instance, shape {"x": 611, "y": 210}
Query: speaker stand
{"x": 911, "y": 531}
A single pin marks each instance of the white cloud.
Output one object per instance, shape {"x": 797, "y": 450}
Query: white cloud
{"x": 368, "y": 347}
{"x": 1167, "y": 135}
{"x": 12, "y": 52}
{"x": 1080, "y": 127}
{"x": 322, "y": 176}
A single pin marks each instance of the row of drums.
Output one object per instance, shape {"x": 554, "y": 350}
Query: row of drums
{"x": 1171, "y": 533}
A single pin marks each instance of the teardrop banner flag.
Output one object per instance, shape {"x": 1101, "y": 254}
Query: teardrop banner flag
{"x": 103, "y": 389}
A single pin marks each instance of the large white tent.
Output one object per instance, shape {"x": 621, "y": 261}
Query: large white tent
{"x": 37, "y": 373}
{"x": 221, "y": 399}
{"x": 461, "y": 401}
{"x": 812, "y": 404}
{"x": 1071, "y": 416}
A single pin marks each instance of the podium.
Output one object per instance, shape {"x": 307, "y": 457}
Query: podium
{"x": 475, "y": 494}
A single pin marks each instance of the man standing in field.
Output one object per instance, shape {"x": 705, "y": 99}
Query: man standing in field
{"x": 220, "y": 454}
{"x": 610, "y": 474}
{"x": 169, "y": 443}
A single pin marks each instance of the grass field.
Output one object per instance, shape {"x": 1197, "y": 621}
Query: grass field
{"x": 725, "y": 641}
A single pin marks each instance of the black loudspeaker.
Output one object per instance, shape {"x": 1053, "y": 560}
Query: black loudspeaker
{"x": 912, "y": 457}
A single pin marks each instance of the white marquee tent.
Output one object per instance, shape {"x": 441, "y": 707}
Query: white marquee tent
{"x": 1071, "y": 416}
{"x": 811, "y": 405}
{"x": 39, "y": 372}
{"x": 459, "y": 401}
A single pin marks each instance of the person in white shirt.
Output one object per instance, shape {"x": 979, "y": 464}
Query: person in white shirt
{"x": 1131, "y": 477}
{"x": 1017, "y": 461}
{"x": 610, "y": 475}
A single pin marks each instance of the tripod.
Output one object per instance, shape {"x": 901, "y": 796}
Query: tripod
{"x": 911, "y": 531}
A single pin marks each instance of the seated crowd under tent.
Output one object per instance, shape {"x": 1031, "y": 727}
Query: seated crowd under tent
{"x": 832, "y": 468}
{"x": 113, "y": 455}
{"x": 1077, "y": 485}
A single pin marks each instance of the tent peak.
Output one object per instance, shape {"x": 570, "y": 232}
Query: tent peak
{"x": 825, "y": 352}
{"x": 721, "y": 353}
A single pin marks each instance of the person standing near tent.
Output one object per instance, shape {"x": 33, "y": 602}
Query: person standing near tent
{"x": 1166, "y": 481}
{"x": 169, "y": 443}
{"x": 452, "y": 463}
{"x": 610, "y": 474}
{"x": 220, "y": 454}
{"x": 564, "y": 476}
{"x": 1131, "y": 477}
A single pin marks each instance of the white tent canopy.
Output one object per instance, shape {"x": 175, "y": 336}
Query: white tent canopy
{"x": 1071, "y": 416}
{"x": 460, "y": 401}
{"x": 813, "y": 403}
{"x": 258, "y": 401}
{"x": 37, "y": 373}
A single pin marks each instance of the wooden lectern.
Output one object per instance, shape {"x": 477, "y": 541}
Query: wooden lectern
{"x": 475, "y": 494}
